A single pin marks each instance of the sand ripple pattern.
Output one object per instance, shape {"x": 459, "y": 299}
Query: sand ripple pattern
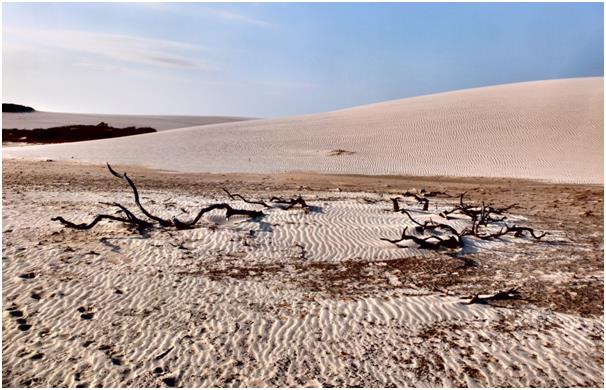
{"x": 157, "y": 320}
{"x": 545, "y": 130}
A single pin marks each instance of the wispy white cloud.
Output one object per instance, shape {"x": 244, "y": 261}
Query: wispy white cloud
{"x": 114, "y": 47}
{"x": 238, "y": 17}
{"x": 204, "y": 11}
{"x": 288, "y": 84}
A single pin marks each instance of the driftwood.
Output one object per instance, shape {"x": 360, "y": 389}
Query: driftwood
{"x": 431, "y": 224}
{"x": 455, "y": 240}
{"x": 85, "y": 226}
{"x": 517, "y": 230}
{"x": 234, "y": 196}
{"x": 396, "y": 204}
{"x": 481, "y": 215}
{"x": 132, "y": 220}
{"x": 511, "y": 293}
{"x": 131, "y": 217}
{"x": 124, "y": 176}
{"x": 290, "y": 202}
{"x": 424, "y": 243}
{"x": 419, "y": 199}
{"x": 475, "y": 212}
{"x": 229, "y": 212}
{"x": 433, "y": 193}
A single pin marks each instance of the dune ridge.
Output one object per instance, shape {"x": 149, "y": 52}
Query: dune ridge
{"x": 545, "y": 130}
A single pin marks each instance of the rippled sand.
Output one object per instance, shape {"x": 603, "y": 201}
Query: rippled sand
{"x": 545, "y": 130}
{"x": 298, "y": 298}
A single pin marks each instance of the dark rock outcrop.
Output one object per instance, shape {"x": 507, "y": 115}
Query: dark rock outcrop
{"x": 10, "y": 107}
{"x": 70, "y": 133}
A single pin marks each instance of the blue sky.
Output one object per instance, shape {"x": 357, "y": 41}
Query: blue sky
{"x": 266, "y": 59}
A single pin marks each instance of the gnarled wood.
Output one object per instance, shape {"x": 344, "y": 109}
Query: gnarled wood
{"x": 434, "y": 193}
{"x": 511, "y": 293}
{"x": 124, "y": 176}
{"x": 230, "y": 211}
{"x": 481, "y": 215}
{"x": 419, "y": 199}
{"x": 131, "y": 217}
{"x": 290, "y": 202}
{"x": 424, "y": 243}
{"x": 86, "y": 226}
{"x": 133, "y": 220}
{"x": 396, "y": 204}
{"x": 234, "y": 196}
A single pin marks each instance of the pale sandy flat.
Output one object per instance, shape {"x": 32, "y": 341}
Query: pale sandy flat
{"x": 297, "y": 298}
{"x": 546, "y": 130}
{"x": 44, "y": 120}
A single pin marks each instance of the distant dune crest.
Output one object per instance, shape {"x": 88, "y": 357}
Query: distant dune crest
{"x": 546, "y": 130}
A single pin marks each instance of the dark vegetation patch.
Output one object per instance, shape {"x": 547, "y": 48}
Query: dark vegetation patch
{"x": 463, "y": 277}
{"x": 71, "y": 133}
{"x": 10, "y": 107}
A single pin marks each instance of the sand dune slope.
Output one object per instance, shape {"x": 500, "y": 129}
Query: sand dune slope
{"x": 551, "y": 130}
{"x": 44, "y": 120}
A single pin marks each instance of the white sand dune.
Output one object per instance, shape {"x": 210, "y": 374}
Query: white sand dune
{"x": 550, "y": 130}
{"x": 44, "y": 120}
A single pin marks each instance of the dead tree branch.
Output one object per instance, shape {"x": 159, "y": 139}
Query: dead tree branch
{"x": 424, "y": 243}
{"x": 511, "y": 293}
{"x": 230, "y": 211}
{"x": 161, "y": 221}
{"x": 480, "y": 215}
{"x": 131, "y": 217}
{"x": 517, "y": 230}
{"x": 396, "y": 204}
{"x": 86, "y": 226}
{"x": 133, "y": 220}
{"x": 430, "y": 224}
{"x": 290, "y": 202}
{"x": 234, "y": 196}
{"x": 419, "y": 199}
{"x": 434, "y": 193}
